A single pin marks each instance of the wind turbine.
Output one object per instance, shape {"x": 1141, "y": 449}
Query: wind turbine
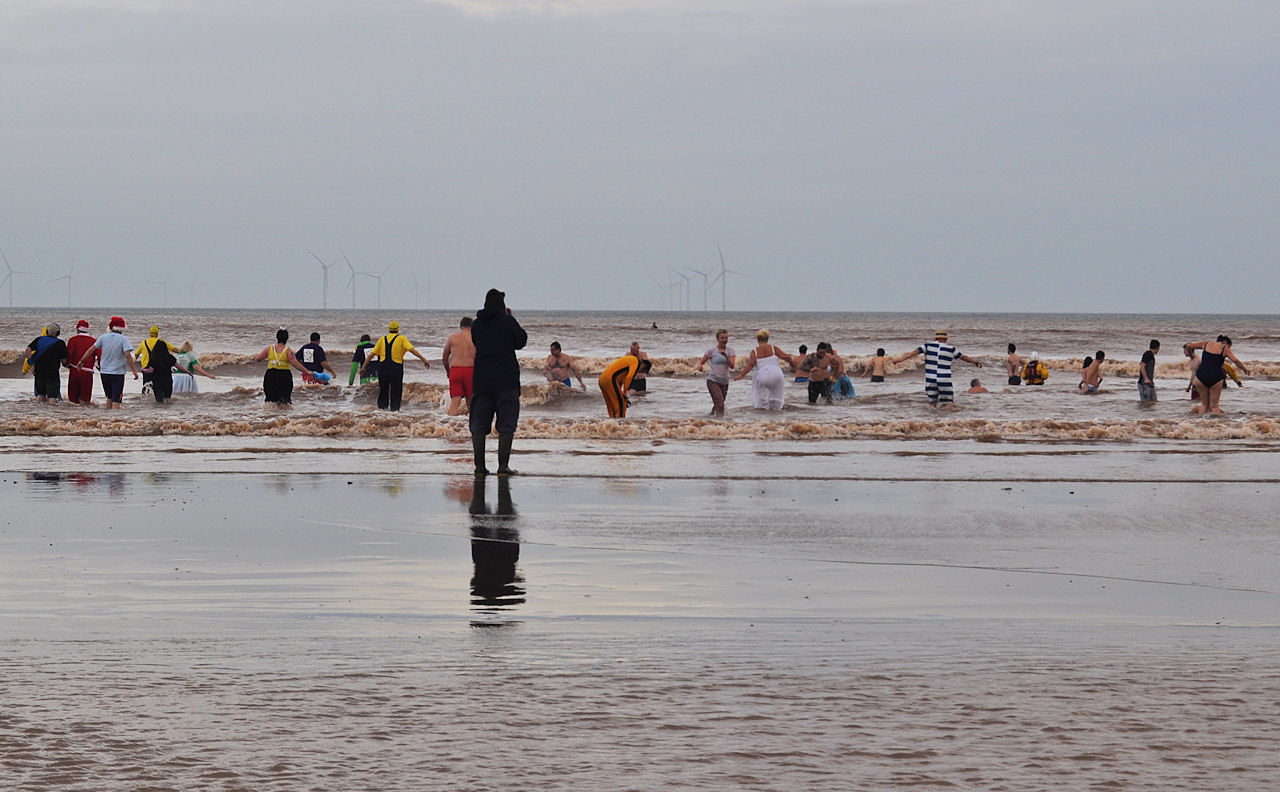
{"x": 351, "y": 282}
{"x": 66, "y": 278}
{"x": 191, "y": 294}
{"x": 377, "y": 277}
{"x": 685, "y": 278}
{"x": 164, "y": 299}
{"x": 662, "y": 292}
{"x": 706, "y": 285}
{"x": 673, "y": 302}
{"x": 720, "y": 276}
{"x": 324, "y": 268}
{"x": 8, "y": 278}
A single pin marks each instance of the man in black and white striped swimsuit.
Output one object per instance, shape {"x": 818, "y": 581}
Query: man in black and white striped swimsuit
{"x": 938, "y": 356}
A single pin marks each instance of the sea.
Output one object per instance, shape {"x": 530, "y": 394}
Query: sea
{"x": 676, "y": 407}
{"x": 1035, "y": 589}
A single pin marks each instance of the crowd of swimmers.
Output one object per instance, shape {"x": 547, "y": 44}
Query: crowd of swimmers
{"x": 824, "y": 371}
{"x": 479, "y": 358}
{"x": 163, "y": 368}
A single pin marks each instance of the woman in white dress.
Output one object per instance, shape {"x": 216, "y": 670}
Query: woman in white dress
{"x": 185, "y": 370}
{"x": 768, "y": 387}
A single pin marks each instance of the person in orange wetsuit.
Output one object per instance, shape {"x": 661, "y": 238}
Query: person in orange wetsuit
{"x": 615, "y": 380}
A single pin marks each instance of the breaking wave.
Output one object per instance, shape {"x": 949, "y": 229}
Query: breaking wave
{"x": 245, "y": 364}
{"x": 406, "y": 425}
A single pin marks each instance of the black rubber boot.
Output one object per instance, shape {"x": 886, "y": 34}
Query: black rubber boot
{"x": 504, "y": 454}
{"x": 477, "y": 449}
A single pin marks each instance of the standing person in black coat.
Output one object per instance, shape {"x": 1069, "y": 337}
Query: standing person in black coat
{"x": 496, "y": 382}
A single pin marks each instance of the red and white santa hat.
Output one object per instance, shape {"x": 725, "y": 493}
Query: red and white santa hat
{"x": 116, "y": 322}
{"x": 82, "y": 326}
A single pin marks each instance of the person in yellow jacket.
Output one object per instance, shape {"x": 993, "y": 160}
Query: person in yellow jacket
{"x": 143, "y": 355}
{"x": 1034, "y": 372}
{"x": 615, "y": 380}
{"x": 390, "y": 351}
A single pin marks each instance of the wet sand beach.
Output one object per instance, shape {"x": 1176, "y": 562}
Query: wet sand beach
{"x": 627, "y": 622}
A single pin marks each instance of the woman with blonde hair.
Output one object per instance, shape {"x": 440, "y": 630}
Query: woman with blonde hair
{"x": 768, "y": 387}
{"x": 186, "y": 368}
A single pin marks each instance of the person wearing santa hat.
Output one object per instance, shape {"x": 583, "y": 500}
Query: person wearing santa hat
{"x": 80, "y": 379}
{"x": 115, "y": 352}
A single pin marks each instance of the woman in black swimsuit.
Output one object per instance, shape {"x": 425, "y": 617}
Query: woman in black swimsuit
{"x": 1209, "y": 375}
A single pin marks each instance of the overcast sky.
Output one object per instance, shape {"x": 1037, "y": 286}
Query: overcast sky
{"x": 896, "y": 155}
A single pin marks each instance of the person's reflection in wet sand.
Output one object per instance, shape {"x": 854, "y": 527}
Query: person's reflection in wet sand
{"x": 495, "y": 549}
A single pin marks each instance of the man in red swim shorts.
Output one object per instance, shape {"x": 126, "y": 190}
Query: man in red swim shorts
{"x": 459, "y": 358}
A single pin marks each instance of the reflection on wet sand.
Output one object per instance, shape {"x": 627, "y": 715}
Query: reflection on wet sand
{"x": 55, "y": 482}
{"x": 496, "y": 586}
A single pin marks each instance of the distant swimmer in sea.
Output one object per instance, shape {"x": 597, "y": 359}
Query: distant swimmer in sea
{"x": 277, "y": 382}
{"x": 390, "y": 351}
{"x": 186, "y": 368}
{"x": 615, "y": 381}
{"x": 768, "y": 386}
{"x": 358, "y": 360}
{"x": 938, "y": 356}
{"x": 975, "y": 386}
{"x": 1034, "y": 372}
{"x": 459, "y": 359}
{"x": 495, "y": 402}
{"x": 47, "y": 355}
{"x": 315, "y": 361}
{"x": 798, "y": 365}
{"x": 1091, "y": 374}
{"x": 641, "y": 383}
{"x": 1209, "y": 376}
{"x": 723, "y": 360}
{"x": 878, "y": 366}
{"x": 1147, "y": 374}
{"x": 1014, "y": 364}
{"x": 80, "y": 378}
{"x": 114, "y": 354}
{"x": 559, "y": 366}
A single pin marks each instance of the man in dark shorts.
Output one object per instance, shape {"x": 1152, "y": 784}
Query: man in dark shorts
{"x": 47, "y": 355}
{"x": 820, "y": 373}
{"x": 1013, "y": 365}
{"x": 114, "y": 353}
{"x": 639, "y": 384}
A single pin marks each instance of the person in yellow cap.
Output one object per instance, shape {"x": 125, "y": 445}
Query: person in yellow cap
{"x": 390, "y": 351}
{"x": 143, "y": 356}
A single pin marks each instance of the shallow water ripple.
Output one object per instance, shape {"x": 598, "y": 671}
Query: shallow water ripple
{"x": 720, "y": 706}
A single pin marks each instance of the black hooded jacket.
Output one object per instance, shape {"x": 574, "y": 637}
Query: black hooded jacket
{"x": 497, "y": 336}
